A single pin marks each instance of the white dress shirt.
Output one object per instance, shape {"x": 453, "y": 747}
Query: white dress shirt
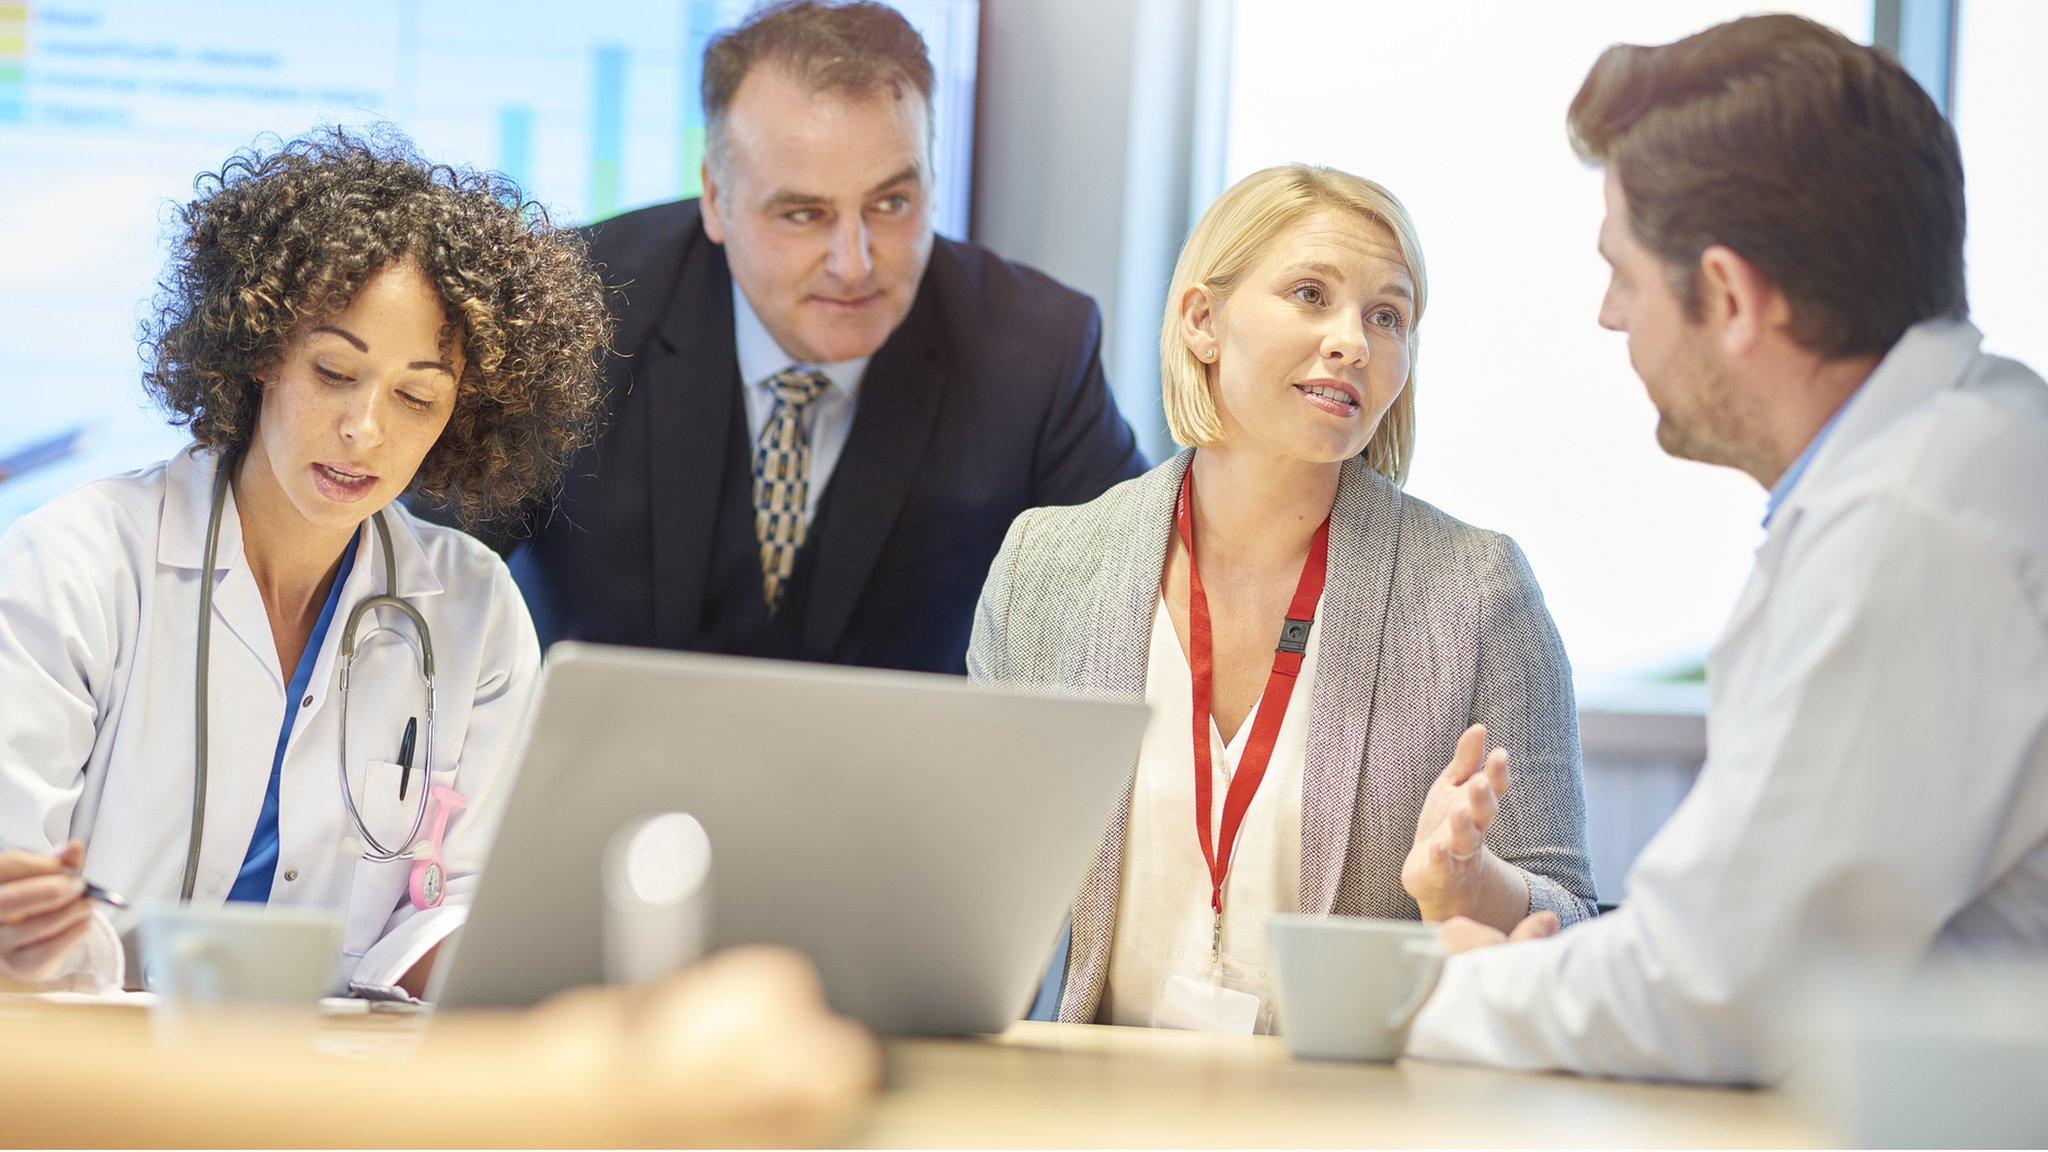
{"x": 1163, "y": 920}
{"x": 99, "y": 599}
{"x": 1876, "y": 783}
{"x": 829, "y": 418}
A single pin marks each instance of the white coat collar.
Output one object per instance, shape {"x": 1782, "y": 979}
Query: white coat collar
{"x": 188, "y": 501}
{"x": 1931, "y": 357}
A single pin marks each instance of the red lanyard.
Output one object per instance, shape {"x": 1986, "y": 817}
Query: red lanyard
{"x": 1258, "y": 749}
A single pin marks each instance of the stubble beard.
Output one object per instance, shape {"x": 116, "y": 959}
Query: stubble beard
{"x": 1707, "y": 419}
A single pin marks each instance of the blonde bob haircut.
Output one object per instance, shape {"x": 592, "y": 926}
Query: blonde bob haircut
{"x": 1232, "y": 235}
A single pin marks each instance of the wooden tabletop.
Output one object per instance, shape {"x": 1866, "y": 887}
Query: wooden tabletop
{"x": 1066, "y": 1085}
{"x": 1043, "y": 1085}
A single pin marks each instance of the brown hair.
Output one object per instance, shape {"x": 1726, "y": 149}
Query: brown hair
{"x": 849, "y": 49}
{"x": 1817, "y": 159}
{"x": 280, "y": 238}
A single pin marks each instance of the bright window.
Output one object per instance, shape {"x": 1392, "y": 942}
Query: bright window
{"x": 1530, "y": 421}
{"x": 2001, "y": 93}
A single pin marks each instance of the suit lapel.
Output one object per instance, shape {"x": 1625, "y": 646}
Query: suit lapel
{"x": 691, "y": 379}
{"x": 1118, "y": 653}
{"x": 1364, "y": 543}
{"x": 892, "y": 424}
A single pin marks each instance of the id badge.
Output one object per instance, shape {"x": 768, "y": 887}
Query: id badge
{"x": 1201, "y": 995}
{"x": 1205, "y": 1006}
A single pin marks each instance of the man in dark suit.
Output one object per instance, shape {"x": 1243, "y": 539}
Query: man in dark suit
{"x": 822, "y": 417}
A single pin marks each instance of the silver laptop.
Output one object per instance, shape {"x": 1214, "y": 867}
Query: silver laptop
{"x": 919, "y": 837}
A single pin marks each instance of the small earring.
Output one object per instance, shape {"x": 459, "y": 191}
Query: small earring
{"x": 1208, "y": 354}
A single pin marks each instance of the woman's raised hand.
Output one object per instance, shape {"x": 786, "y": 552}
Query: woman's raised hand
{"x": 1450, "y": 871}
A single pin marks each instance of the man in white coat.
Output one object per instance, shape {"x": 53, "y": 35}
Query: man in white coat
{"x": 1785, "y": 228}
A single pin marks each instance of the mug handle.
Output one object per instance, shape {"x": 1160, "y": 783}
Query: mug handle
{"x": 1400, "y": 1017}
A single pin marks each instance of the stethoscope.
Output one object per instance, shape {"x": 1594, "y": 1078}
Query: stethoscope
{"x": 427, "y": 877}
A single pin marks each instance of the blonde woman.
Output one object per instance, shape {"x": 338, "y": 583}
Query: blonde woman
{"x": 1346, "y": 652}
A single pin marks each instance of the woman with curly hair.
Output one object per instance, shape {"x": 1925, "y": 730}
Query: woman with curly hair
{"x": 340, "y": 324}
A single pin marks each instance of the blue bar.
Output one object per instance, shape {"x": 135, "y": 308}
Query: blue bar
{"x": 515, "y": 146}
{"x": 700, "y": 23}
{"x": 607, "y": 129}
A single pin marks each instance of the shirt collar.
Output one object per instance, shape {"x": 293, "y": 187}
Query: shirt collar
{"x": 1930, "y": 357}
{"x": 1790, "y": 479}
{"x": 761, "y": 357}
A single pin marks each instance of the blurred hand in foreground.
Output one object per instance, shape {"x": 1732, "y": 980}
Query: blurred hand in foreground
{"x": 740, "y": 1049}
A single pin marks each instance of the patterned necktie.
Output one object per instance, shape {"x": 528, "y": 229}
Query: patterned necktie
{"x": 782, "y": 479}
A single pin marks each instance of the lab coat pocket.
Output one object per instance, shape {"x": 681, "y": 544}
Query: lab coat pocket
{"x": 378, "y": 887}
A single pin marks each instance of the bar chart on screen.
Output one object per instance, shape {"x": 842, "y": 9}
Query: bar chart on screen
{"x": 109, "y": 108}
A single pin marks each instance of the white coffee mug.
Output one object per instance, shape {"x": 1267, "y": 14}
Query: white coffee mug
{"x": 1349, "y": 986}
{"x": 239, "y": 956}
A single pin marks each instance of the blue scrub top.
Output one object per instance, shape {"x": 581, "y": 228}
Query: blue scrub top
{"x": 259, "y": 867}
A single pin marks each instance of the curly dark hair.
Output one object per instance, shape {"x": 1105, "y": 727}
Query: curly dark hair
{"x": 285, "y": 235}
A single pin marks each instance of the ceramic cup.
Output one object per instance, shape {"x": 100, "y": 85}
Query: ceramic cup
{"x": 206, "y": 962}
{"x": 1349, "y": 986}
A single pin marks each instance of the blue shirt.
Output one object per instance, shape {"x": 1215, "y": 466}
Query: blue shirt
{"x": 1053, "y": 985}
{"x": 1790, "y": 479}
{"x": 830, "y": 419}
{"x": 259, "y": 867}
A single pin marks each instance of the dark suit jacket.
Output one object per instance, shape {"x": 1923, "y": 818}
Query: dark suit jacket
{"x": 987, "y": 400}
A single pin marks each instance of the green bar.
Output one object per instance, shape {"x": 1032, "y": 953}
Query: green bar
{"x": 692, "y": 182}
{"x": 604, "y": 190}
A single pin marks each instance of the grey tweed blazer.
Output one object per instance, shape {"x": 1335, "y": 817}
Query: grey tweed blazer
{"x": 1428, "y": 625}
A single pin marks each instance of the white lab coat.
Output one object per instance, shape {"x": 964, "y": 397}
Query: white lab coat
{"x": 1876, "y": 783}
{"x": 99, "y": 594}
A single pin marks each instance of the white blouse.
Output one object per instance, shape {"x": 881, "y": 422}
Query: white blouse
{"x": 1163, "y": 922}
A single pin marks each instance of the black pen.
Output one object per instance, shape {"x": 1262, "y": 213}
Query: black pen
{"x": 94, "y": 891}
{"x": 412, "y": 727}
{"x": 100, "y": 894}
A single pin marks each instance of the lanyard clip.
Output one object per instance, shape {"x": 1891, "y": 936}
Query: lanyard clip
{"x": 1294, "y": 636}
